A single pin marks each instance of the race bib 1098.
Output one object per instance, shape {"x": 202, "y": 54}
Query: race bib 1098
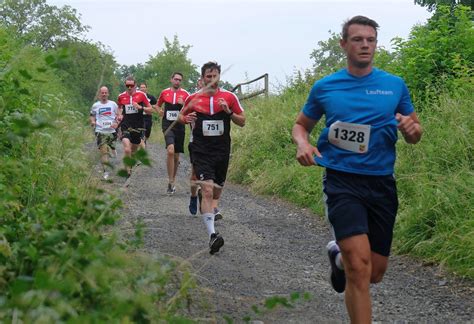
{"x": 107, "y": 123}
{"x": 349, "y": 136}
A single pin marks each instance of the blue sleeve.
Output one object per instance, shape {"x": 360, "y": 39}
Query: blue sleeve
{"x": 405, "y": 106}
{"x": 312, "y": 108}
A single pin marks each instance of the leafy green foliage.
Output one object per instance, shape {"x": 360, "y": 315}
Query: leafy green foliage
{"x": 328, "y": 57}
{"x": 157, "y": 71}
{"x": 271, "y": 303}
{"x": 438, "y": 56}
{"x": 436, "y": 185}
{"x": 84, "y": 68}
{"x": 40, "y": 24}
{"x": 268, "y": 166}
{"x": 433, "y": 4}
{"x": 57, "y": 261}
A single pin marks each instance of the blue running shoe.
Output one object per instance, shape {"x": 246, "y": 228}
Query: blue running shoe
{"x": 338, "y": 277}
{"x": 193, "y": 205}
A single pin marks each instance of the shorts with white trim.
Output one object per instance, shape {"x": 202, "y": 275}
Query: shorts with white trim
{"x": 211, "y": 167}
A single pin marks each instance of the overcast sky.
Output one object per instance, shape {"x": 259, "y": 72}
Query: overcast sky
{"x": 248, "y": 38}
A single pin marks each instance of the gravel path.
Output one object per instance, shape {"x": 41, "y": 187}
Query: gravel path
{"x": 273, "y": 248}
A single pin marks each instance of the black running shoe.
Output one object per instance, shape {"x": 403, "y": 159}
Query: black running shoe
{"x": 217, "y": 214}
{"x": 171, "y": 189}
{"x": 215, "y": 243}
{"x": 338, "y": 277}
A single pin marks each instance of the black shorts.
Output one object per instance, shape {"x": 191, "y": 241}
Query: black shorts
{"x": 148, "y": 125}
{"x": 361, "y": 204}
{"x": 175, "y": 137}
{"x": 211, "y": 167}
{"x": 134, "y": 135}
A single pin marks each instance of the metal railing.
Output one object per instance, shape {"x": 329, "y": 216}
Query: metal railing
{"x": 242, "y": 96}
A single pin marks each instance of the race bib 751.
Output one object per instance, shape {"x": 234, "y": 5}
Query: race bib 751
{"x": 212, "y": 127}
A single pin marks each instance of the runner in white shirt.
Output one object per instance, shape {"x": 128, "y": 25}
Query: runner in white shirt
{"x": 104, "y": 116}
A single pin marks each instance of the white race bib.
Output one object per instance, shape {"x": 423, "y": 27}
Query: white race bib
{"x": 107, "y": 124}
{"x": 351, "y": 137}
{"x": 172, "y": 114}
{"x": 130, "y": 109}
{"x": 212, "y": 127}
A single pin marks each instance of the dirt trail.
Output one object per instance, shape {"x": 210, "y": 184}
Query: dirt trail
{"x": 273, "y": 248}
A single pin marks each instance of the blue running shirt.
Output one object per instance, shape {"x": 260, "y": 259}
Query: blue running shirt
{"x": 371, "y": 100}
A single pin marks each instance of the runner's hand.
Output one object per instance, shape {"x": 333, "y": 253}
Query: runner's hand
{"x": 223, "y": 104}
{"x": 406, "y": 125}
{"x": 305, "y": 154}
{"x": 190, "y": 118}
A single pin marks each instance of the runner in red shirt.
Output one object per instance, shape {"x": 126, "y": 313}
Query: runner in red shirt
{"x": 211, "y": 109}
{"x": 173, "y": 99}
{"x": 133, "y": 103}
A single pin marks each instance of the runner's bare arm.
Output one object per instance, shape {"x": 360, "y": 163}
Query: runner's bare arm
{"x": 237, "y": 118}
{"x": 92, "y": 120}
{"x": 410, "y": 127}
{"x": 148, "y": 109}
{"x": 301, "y": 130}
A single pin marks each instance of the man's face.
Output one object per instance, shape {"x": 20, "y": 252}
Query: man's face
{"x": 360, "y": 45}
{"x": 104, "y": 94}
{"x": 130, "y": 85}
{"x": 143, "y": 87}
{"x": 176, "y": 81}
{"x": 211, "y": 78}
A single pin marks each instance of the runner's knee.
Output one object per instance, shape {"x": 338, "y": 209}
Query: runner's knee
{"x": 357, "y": 268}
{"x": 206, "y": 190}
{"x": 379, "y": 266}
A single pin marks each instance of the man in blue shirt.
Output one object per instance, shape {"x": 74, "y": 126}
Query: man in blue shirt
{"x": 363, "y": 107}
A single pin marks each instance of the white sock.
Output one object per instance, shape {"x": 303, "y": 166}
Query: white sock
{"x": 339, "y": 263}
{"x": 209, "y": 221}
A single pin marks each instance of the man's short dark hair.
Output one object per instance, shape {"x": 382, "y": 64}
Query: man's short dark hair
{"x": 130, "y": 78}
{"x": 358, "y": 20}
{"x": 211, "y": 65}
{"x": 143, "y": 83}
{"x": 178, "y": 73}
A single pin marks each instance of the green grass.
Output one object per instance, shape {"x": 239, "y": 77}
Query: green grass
{"x": 435, "y": 177}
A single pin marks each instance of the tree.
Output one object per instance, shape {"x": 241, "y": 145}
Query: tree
{"x": 173, "y": 58}
{"x": 40, "y": 24}
{"x": 85, "y": 67}
{"x": 438, "y": 56}
{"x": 137, "y": 71}
{"x": 432, "y": 4}
{"x": 328, "y": 56}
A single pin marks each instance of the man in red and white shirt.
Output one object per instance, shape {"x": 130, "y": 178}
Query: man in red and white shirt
{"x": 211, "y": 109}
{"x": 173, "y": 99}
{"x": 133, "y": 103}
